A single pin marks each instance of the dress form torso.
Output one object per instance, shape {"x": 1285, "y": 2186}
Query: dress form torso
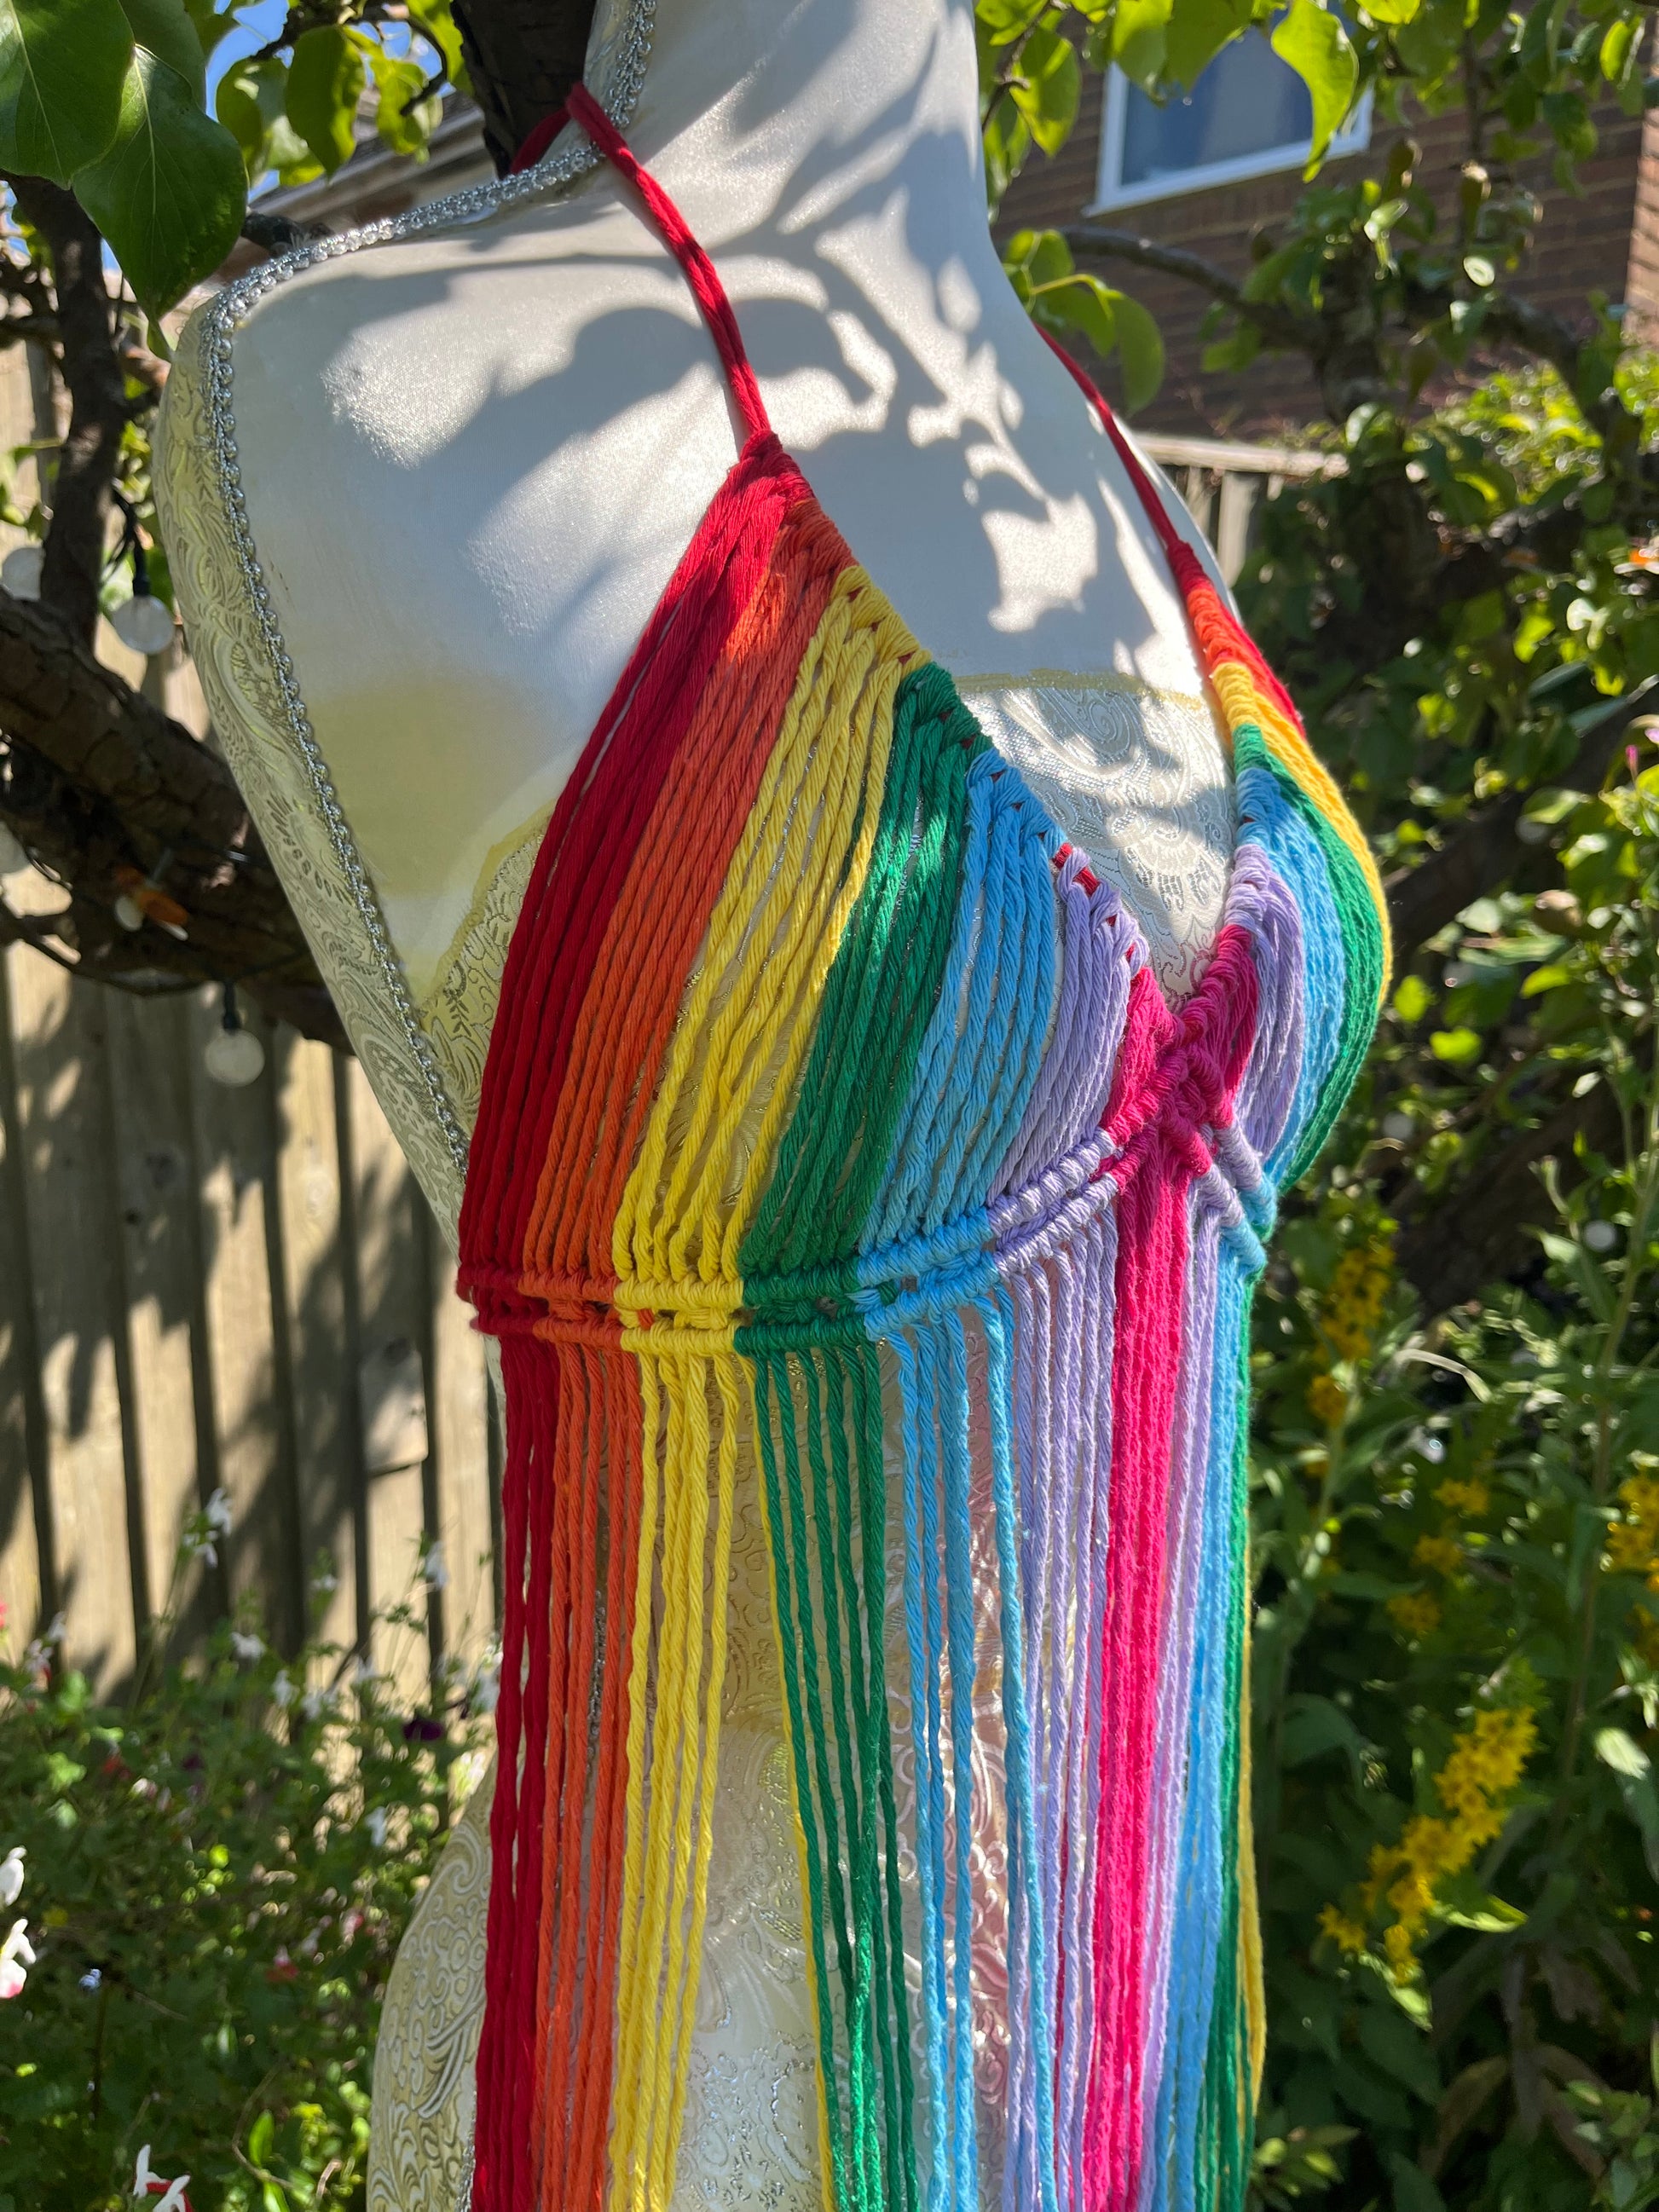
{"x": 473, "y": 463}
{"x": 457, "y": 404}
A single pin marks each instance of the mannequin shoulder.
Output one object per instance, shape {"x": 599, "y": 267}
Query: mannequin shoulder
{"x": 400, "y": 347}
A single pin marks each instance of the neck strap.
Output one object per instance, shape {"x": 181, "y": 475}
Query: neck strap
{"x": 667, "y": 220}
{"x": 670, "y": 224}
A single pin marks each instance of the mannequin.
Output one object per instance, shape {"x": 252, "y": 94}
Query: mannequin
{"x": 470, "y": 464}
{"x": 465, "y": 399}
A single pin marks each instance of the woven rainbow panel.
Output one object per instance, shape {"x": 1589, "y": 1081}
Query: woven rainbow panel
{"x": 831, "y": 1099}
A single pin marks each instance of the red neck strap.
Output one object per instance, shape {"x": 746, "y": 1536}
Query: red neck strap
{"x": 666, "y": 219}
{"x": 581, "y": 108}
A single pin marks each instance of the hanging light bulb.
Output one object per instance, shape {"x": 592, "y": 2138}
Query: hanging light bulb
{"x": 144, "y": 623}
{"x": 13, "y": 857}
{"x": 235, "y": 1056}
{"x": 19, "y": 571}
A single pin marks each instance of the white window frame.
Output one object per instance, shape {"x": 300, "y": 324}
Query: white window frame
{"x": 1353, "y": 138}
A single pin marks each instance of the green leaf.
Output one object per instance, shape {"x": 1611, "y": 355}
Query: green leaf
{"x": 1196, "y": 33}
{"x": 1141, "y": 40}
{"x": 1392, "y": 11}
{"x": 1312, "y": 40}
{"x": 1314, "y": 1725}
{"x": 432, "y": 20}
{"x": 1455, "y": 1047}
{"x": 402, "y": 118}
{"x": 1047, "y": 89}
{"x": 237, "y": 106}
{"x": 170, "y": 194}
{"x": 1140, "y": 350}
{"x": 1413, "y": 999}
{"x": 325, "y": 83}
{"x": 1621, "y": 1753}
{"x": 1413, "y": 2191}
{"x": 1002, "y": 21}
{"x": 1634, "y": 1771}
{"x": 260, "y": 2137}
{"x": 62, "y": 66}
{"x": 163, "y": 28}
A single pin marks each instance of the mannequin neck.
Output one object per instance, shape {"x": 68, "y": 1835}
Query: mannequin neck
{"x": 759, "y": 115}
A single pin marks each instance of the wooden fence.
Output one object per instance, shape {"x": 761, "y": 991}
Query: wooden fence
{"x": 205, "y": 1288}
{"x": 202, "y": 1288}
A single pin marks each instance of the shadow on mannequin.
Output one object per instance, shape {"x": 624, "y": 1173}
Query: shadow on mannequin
{"x": 472, "y": 460}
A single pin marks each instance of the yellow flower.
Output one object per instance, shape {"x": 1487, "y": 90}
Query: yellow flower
{"x": 1441, "y": 1553}
{"x": 1397, "y": 1947}
{"x": 1351, "y": 1309}
{"x": 1471, "y": 1498}
{"x": 1347, "y": 1934}
{"x": 1632, "y": 1543}
{"x": 1643, "y": 1632}
{"x": 1415, "y": 1612}
{"x": 1327, "y": 1401}
{"x": 1475, "y": 1785}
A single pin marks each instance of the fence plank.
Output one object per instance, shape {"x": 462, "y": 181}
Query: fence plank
{"x": 28, "y": 1584}
{"x": 234, "y": 1141}
{"x": 316, "y": 1260}
{"x": 459, "y": 1411}
{"x": 391, "y": 1384}
{"x": 58, "y": 1045}
{"x": 160, "y": 1229}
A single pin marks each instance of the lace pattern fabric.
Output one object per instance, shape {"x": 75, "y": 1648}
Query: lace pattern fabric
{"x": 1138, "y": 780}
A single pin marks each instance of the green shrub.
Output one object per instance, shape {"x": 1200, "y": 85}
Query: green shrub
{"x": 1456, "y": 1471}
{"x": 217, "y": 1876}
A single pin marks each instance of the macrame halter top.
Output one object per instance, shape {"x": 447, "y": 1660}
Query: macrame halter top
{"x": 835, "y": 1126}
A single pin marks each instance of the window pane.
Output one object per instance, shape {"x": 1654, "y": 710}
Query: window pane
{"x": 1247, "y": 101}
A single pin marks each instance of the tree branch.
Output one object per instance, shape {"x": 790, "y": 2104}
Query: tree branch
{"x": 1279, "y": 327}
{"x": 90, "y": 454}
{"x": 98, "y": 781}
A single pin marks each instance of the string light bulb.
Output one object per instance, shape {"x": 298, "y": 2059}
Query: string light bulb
{"x": 144, "y": 623}
{"x": 234, "y": 1056}
{"x": 19, "y": 571}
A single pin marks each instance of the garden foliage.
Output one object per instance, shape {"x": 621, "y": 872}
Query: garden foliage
{"x": 215, "y": 1877}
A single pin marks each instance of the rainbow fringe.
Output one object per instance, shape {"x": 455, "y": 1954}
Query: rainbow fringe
{"x": 832, "y": 1102}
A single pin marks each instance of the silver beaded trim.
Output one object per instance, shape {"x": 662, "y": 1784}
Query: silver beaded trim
{"x": 569, "y": 157}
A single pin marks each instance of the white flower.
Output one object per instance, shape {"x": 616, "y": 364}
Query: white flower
{"x": 364, "y": 1671}
{"x": 282, "y": 1689}
{"x": 433, "y": 1572}
{"x": 146, "y": 2182}
{"x": 376, "y": 1823}
{"x": 57, "y": 1629}
{"x": 325, "y": 1581}
{"x": 249, "y": 1648}
{"x": 313, "y": 1703}
{"x": 16, "y": 1956}
{"x": 11, "y": 1876}
{"x": 216, "y": 1512}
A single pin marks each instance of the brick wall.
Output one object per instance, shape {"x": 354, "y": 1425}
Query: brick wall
{"x": 1585, "y": 243}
